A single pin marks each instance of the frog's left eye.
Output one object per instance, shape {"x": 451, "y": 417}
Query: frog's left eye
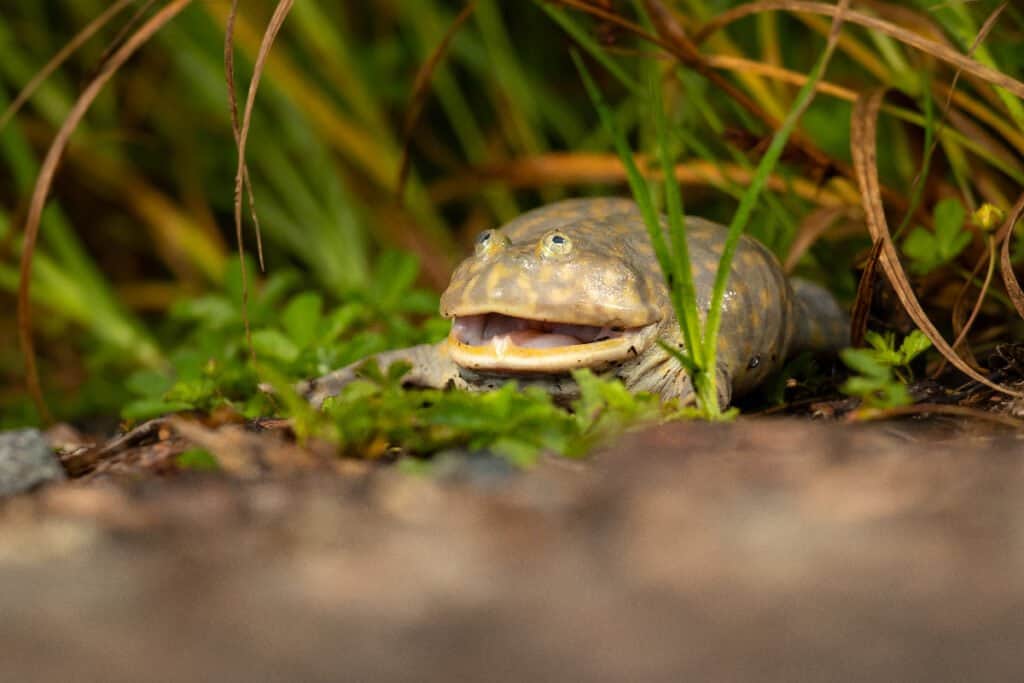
{"x": 555, "y": 243}
{"x": 485, "y": 242}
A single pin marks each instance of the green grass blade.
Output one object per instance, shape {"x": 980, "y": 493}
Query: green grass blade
{"x": 746, "y": 207}
{"x": 684, "y": 294}
{"x": 593, "y": 49}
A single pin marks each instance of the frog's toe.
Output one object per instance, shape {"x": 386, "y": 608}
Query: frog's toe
{"x": 318, "y": 390}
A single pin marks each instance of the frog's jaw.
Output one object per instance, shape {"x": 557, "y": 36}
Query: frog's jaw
{"x": 499, "y": 343}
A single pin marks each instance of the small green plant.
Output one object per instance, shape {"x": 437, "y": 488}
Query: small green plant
{"x": 375, "y": 414}
{"x": 294, "y": 334}
{"x": 884, "y": 369}
{"x": 197, "y": 460}
{"x": 930, "y": 250}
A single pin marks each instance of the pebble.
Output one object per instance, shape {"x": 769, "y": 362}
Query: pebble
{"x": 26, "y": 462}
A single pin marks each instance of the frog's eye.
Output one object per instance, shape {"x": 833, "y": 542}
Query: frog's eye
{"x": 555, "y": 243}
{"x": 485, "y": 242}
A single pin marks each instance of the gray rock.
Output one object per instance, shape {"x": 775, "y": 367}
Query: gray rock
{"x": 26, "y": 462}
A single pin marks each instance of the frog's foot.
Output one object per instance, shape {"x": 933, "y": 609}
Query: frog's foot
{"x": 318, "y": 390}
{"x": 430, "y": 367}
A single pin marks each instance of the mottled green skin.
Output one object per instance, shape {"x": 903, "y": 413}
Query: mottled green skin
{"x": 611, "y": 277}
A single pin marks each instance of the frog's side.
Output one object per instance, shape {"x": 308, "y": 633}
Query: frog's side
{"x": 576, "y": 284}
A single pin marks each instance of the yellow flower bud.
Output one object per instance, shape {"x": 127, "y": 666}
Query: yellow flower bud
{"x": 989, "y": 216}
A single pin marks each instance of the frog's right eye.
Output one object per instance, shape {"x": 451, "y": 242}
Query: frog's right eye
{"x": 486, "y": 242}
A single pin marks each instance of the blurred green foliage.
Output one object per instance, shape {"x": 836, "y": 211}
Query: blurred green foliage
{"x": 376, "y": 413}
{"x": 293, "y": 334}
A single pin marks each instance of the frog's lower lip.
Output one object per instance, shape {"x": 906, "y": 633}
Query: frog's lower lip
{"x": 497, "y": 342}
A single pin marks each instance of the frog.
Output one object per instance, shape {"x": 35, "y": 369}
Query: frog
{"x": 576, "y": 285}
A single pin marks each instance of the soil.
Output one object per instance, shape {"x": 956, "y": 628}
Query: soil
{"x": 765, "y": 549}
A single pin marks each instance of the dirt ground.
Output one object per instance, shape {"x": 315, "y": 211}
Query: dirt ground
{"x": 759, "y": 550}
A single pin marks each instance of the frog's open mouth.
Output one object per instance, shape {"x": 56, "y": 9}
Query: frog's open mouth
{"x": 499, "y": 342}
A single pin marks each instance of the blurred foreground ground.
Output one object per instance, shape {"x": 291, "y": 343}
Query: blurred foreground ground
{"x": 778, "y": 550}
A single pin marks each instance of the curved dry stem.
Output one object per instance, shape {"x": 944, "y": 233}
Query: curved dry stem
{"x": 560, "y": 168}
{"x": 273, "y": 27}
{"x": 988, "y": 258}
{"x": 229, "y": 79}
{"x": 962, "y": 327}
{"x": 861, "y": 309}
{"x": 80, "y": 38}
{"x": 975, "y": 108}
{"x": 45, "y": 181}
{"x": 935, "y": 409}
{"x": 740, "y": 64}
{"x": 863, "y": 144}
{"x": 673, "y": 40}
{"x": 1005, "y": 265}
{"x": 937, "y": 50}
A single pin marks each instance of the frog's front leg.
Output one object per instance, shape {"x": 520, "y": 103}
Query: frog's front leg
{"x": 431, "y": 368}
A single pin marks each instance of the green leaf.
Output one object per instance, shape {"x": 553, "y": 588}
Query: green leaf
{"x": 275, "y": 344}
{"x": 188, "y": 363}
{"x": 396, "y": 371}
{"x": 420, "y": 301}
{"x": 396, "y": 272}
{"x": 863, "y": 386}
{"x": 148, "y": 383}
{"x": 927, "y": 251}
{"x": 516, "y": 452}
{"x": 865, "y": 362}
{"x": 233, "y": 279}
{"x": 922, "y": 249}
{"x": 277, "y": 286}
{"x": 949, "y": 221}
{"x": 370, "y": 370}
{"x": 914, "y": 344}
{"x": 949, "y": 229}
{"x": 883, "y": 348}
{"x": 957, "y": 245}
{"x": 880, "y": 342}
{"x": 301, "y": 317}
{"x": 146, "y": 408}
{"x": 197, "y": 460}
{"x": 214, "y": 310}
{"x": 590, "y": 400}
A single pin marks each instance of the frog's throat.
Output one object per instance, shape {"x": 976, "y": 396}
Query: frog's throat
{"x": 503, "y": 343}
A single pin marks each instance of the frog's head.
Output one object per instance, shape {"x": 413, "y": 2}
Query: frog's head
{"x": 572, "y": 286}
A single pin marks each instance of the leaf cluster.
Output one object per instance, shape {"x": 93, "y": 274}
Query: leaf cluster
{"x": 884, "y": 369}
{"x": 375, "y": 415}
{"x": 295, "y": 335}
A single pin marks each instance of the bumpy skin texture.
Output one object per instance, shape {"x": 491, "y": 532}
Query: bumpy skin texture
{"x": 590, "y": 262}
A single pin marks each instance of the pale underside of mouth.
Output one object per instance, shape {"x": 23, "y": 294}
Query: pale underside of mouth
{"x": 490, "y": 328}
{"x": 494, "y": 341}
